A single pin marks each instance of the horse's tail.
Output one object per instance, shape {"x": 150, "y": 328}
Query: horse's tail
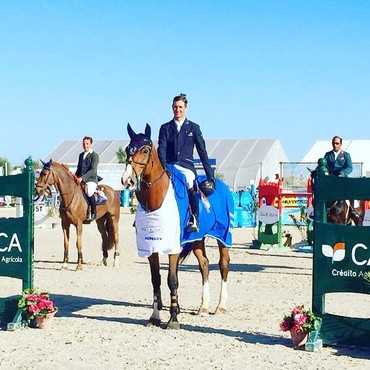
{"x": 109, "y": 229}
{"x": 187, "y": 248}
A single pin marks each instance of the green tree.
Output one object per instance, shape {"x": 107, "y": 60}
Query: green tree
{"x": 121, "y": 155}
{"x": 5, "y": 164}
{"x": 36, "y": 165}
{"x": 220, "y": 176}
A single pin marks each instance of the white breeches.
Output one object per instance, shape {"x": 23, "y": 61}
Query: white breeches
{"x": 189, "y": 175}
{"x": 91, "y": 187}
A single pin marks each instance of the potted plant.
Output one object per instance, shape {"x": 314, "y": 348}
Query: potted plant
{"x": 37, "y": 306}
{"x": 299, "y": 323}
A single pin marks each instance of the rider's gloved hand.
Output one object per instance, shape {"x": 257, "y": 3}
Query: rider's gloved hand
{"x": 213, "y": 181}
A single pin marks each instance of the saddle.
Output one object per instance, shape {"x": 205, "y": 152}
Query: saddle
{"x": 99, "y": 194}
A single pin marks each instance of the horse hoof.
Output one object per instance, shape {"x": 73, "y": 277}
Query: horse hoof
{"x": 79, "y": 268}
{"x": 153, "y": 322}
{"x": 203, "y": 311}
{"x": 104, "y": 262}
{"x": 221, "y": 310}
{"x": 173, "y": 325}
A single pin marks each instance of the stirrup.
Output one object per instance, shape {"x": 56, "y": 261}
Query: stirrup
{"x": 354, "y": 214}
{"x": 91, "y": 217}
{"x": 192, "y": 226}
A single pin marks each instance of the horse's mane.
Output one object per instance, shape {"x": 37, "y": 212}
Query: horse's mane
{"x": 66, "y": 168}
{"x": 65, "y": 165}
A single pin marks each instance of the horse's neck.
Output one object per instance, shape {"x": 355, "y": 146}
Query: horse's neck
{"x": 152, "y": 197}
{"x": 67, "y": 186}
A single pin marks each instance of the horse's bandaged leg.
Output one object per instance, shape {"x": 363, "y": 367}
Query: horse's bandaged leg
{"x": 222, "y": 305}
{"x": 206, "y": 297}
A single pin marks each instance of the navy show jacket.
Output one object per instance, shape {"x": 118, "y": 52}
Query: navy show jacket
{"x": 178, "y": 147}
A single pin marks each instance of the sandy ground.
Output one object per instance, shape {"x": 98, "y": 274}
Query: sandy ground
{"x": 103, "y": 311}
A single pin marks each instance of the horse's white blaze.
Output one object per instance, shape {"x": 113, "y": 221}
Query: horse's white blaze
{"x": 127, "y": 180}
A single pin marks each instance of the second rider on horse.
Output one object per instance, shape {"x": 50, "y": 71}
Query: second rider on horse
{"x": 87, "y": 172}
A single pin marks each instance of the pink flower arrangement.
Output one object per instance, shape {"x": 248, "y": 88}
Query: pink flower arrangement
{"x": 300, "y": 319}
{"x": 35, "y": 304}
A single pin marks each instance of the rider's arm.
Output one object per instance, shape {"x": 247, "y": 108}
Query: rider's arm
{"x": 162, "y": 146}
{"x": 202, "y": 152}
{"x": 347, "y": 168}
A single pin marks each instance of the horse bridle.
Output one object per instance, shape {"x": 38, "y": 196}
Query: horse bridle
{"x": 46, "y": 182}
{"x": 140, "y": 177}
{"x": 55, "y": 178}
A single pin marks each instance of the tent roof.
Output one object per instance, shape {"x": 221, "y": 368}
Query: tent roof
{"x": 238, "y": 160}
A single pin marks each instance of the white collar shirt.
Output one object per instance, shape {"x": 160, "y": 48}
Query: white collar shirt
{"x": 86, "y": 153}
{"x": 179, "y": 124}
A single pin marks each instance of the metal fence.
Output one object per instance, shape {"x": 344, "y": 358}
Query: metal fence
{"x": 296, "y": 174}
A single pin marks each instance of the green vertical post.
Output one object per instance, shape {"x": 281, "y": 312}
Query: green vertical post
{"x": 340, "y": 261}
{"x": 17, "y": 241}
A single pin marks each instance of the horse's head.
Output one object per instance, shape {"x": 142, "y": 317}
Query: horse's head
{"x": 139, "y": 153}
{"x": 46, "y": 179}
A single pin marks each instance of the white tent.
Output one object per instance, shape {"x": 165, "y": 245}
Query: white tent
{"x": 240, "y": 161}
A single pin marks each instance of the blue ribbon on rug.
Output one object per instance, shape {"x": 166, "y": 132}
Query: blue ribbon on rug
{"x": 216, "y": 222}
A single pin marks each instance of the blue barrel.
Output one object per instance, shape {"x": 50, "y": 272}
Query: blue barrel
{"x": 246, "y": 219}
{"x": 246, "y": 200}
{"x": 235, "y": 198}
{"x": 125, "y": 198}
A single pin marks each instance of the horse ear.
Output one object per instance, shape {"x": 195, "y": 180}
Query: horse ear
{"x": 148, "y": 131}
{"x": 47, "y": 164}
{"x": 130, "y": 131}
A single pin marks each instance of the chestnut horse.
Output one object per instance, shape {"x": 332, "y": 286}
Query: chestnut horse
{"x": 74, "y": 206}
{"x": 339, "y": 212}
{"x": 145, "y": 174}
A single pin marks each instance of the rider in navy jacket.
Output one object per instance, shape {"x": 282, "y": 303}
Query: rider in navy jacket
{"x": 176, "y": 142}
{"x": 178, "y": 147}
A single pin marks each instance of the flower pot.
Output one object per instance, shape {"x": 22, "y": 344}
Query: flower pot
{"x": 44, "y": 322}
{"x": 299, "y": 338}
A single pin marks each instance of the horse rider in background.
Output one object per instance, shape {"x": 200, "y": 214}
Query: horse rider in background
{"x": 87, "y": 172}
{"x": 176, "y": 142}
{"x": 339, "y": 163}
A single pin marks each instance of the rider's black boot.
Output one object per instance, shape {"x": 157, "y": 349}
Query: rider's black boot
{"x": 92, "y": 214}
{"x": 193, "y": 225}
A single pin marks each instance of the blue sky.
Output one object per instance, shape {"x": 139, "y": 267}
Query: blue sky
{"x": 298, "y": 71}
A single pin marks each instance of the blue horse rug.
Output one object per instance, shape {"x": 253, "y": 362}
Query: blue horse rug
{"x": 164, "y": 230}
{"x": 217, "y": 221}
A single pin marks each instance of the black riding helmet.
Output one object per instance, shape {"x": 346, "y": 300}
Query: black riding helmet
{"x": 207, "y": 187}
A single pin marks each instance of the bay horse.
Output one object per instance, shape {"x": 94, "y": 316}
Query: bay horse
{"x": 152, "y": 184}
{"x": 339, "y": 212}
{"x": 73, "y": 210}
